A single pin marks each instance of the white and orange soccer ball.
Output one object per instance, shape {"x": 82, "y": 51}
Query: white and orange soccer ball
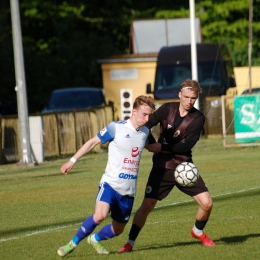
{"x": 186, "y": 174}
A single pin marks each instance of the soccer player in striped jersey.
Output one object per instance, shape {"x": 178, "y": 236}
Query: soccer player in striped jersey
{"x": 117, "y": 188}
{"x": 181, "y": 125}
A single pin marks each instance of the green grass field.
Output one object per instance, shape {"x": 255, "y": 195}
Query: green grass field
{"x": 41, "y": 209}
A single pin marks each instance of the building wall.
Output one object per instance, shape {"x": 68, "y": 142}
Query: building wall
{"x": 140, "y": 74}
{"x": 242, "y": 78}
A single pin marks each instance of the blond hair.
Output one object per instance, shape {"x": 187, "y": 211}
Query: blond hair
{"x": 191, "y": 84}
{"x": 144, "y": 100}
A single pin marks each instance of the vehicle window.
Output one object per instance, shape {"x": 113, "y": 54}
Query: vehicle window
{"x": 171, "y": 76}
{"x": 253, "y": 90}
{"x": 75, "y": 99}
{"x": 209, "y": 73}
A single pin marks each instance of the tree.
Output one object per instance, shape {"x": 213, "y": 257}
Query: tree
{"x": 63, "y": 40}
{"x": 225, "y": 21}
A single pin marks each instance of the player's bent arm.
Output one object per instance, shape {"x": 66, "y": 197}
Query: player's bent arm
{"x": 87, "y": 147}
{"x": 180, "y": 147}
{"x": 150, "y": 138}
{"x": 154, "y": 148}
{"x": 158, "y": 116}
{"x": 193, "y": 135}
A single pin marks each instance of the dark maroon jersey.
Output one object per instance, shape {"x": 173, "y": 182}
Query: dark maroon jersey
{"x": 175, "y": 131}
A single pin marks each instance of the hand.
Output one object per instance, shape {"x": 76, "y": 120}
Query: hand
{"x": 66, "y": 167}
{"x": 154, "y": 148}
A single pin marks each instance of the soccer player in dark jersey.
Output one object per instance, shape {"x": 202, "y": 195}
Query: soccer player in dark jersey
{"x": 180, "y": 128}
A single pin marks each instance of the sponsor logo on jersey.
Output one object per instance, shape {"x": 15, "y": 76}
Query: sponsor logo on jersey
{"x": 103, "y": 131}
{"x": 169, "y": 126}
{"x": 148, "y": 189}
{"x": 127, "y": 176}
{"x": 130, "y": 169}
{"x": 131, "y": 161}
{"x": 177, "y": 133}
{"x": 135, "y": 151}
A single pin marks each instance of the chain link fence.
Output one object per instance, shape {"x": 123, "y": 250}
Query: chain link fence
{"x": 212, "y": 109}
{"x": 213, "y": 114}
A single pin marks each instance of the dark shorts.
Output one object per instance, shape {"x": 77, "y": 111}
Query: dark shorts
{"x": 161, "y": 181}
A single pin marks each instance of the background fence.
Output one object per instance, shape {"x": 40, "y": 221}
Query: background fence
{"x": 65, "y": 133}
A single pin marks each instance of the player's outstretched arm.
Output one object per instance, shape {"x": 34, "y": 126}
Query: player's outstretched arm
{"x": 88, "y": 146}
{"x": 154, "y": 148}
{"x": 66, "y": 167}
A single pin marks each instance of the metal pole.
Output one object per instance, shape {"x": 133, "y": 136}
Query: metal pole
{"x": 20, "y": 84}
{"x": 193, "y": 47}
{"x": 250, "y": 45}
{"x": 223, "y": 120}
{"x": 166, "y": 34}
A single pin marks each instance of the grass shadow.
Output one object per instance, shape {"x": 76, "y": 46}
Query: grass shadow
{"x": 224, "y": 240}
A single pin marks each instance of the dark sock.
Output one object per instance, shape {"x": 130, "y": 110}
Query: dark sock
{"x": 200, "y": 224}
{"x": 134, "y": 231}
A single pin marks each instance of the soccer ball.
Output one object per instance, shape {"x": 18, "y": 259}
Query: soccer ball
{"x": 186, "y": 174}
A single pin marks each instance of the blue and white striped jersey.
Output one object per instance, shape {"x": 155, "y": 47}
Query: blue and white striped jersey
{"x": 124, "y": 153}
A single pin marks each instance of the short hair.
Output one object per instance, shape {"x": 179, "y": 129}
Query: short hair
{"x": 192, "y": 84}
{"x": 144, "y": 100}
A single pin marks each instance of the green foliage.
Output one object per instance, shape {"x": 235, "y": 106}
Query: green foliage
{"x": 227, "y": 22}
{"x": 224, "y": 21}
{"x": 172, "y": 14}
{"x": 41, "y": 209}
{"x": 62, "y": 40}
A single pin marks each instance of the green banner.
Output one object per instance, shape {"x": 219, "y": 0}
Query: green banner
{"x": 247, "y": 118}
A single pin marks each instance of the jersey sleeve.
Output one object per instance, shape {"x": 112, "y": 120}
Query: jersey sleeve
{"x": 195, "y": 128}
{"x": 157, "y": 116}
{"x": 186, "y": 146}
{"x": 107, "y": 134}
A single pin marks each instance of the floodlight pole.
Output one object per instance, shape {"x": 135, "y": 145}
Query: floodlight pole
{"x": 194, "y": 65}
{"x": 250, "y": 45}
{"x": 20, "y": 84}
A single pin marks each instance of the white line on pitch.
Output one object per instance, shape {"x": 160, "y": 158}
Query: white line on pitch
{"x": 37, "y": 232}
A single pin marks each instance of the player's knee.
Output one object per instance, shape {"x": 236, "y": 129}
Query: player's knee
{"x": 208, "y": 205}
{"x": 99, "y": 217}
{"x": 148, "y": 205}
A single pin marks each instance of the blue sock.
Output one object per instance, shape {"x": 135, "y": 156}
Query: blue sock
{"x": 86, "y": 228}
{"x": 105, "y": 233}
